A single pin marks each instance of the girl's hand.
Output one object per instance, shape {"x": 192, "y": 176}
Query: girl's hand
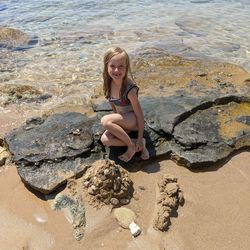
{"x": 139, "y": 145}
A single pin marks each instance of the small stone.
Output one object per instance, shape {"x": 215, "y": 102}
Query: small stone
{"x": 142, "y": 188}
{"x": 92, "y": 190}
{"x": 106, "y": 172}
{"x": 28, "y": 128}
{"x": 86, "y": 184}
{"x": 170, "y": 178}
{"x": 181, "y": 198}
{"x": 134, "y": 229}
{"x": 114, "y": 201}
{"x": 76, "y": 132}
{"x": 201, "y": 74}
{"x": 124, "y": 201}
{"x": 136, "y": 196}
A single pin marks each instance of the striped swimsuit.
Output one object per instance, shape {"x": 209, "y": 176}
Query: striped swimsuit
{"x": 123, "y": 105}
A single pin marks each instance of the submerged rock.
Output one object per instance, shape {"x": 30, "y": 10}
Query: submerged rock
{"x": 15, "y": 39}
{"x": 13, "y": 93}
{"x": 10, "y": 38}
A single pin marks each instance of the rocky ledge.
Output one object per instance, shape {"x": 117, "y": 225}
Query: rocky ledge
{"x": 196, "y": 123}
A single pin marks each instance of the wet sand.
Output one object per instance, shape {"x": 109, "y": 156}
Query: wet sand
{"x": 215, "y": 214}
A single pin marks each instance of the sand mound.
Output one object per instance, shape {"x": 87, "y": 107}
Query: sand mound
{"x": 108, "y": 183}
{"x": 168, "y": 201}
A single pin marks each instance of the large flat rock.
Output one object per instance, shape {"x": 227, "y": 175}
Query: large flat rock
{"x": 49, "y": 151}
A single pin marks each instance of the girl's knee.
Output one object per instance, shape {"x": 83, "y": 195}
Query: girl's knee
{"x": 105, "y": 121}
{"x": 105, "y": 140}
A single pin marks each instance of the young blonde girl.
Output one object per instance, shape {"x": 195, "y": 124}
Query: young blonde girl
{"x": 122, "y": 94}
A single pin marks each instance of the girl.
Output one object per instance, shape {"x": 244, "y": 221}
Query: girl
{"x": 122, "y": 94}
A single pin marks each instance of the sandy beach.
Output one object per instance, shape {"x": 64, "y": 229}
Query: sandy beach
{"x": 215, "y": 214}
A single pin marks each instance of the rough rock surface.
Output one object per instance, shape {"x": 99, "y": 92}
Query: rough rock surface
{"x": 195, "y": 131}
{"x": 168, "y": 201}
{"x": 108, "y": 183}
{"x": 49, "y": 151}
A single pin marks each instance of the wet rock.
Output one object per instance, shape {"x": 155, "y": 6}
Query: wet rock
{"x": 11, "y": 38}
{"x": 169, "y": 198}
{"x": 48, "y": 153}
{"x": 13, "y": 93}
{"x": 206, "y": 137}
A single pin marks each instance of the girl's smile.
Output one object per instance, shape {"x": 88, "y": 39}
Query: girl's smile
{"x": 117, "y": 67}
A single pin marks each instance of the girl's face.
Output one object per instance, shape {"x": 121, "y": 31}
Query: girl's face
{"x": 117, "y": 67}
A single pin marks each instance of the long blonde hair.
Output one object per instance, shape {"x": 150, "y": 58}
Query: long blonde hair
{"x": 106, "y": 77}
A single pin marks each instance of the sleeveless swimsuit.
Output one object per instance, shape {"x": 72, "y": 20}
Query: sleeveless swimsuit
{"x": 123, "y": 105}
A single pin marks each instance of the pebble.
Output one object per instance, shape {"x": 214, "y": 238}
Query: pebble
{"x": 202, "y": 74}
{"x": 106, "y": 172}
{"x": 92, "y": 190}
{"x": 142, "y": 188}
{"x": 124, "y": 201}
{"x": 114, "y": 201}
{"x": 134, "y": 229}
{"x": 86, "y": 183}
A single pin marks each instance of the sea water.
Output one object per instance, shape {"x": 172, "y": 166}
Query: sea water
{"x": 70, "y": 37}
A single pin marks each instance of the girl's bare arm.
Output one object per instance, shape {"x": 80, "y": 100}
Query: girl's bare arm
{"x": 113, "y": 107}
{"x": 133, "y": 97}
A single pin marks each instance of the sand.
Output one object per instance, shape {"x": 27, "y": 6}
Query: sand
{"x": 215, "y": 214}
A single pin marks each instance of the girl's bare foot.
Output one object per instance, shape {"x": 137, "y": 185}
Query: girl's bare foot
{"x": 144, "y": 152}
{"x": 127, "y": 156}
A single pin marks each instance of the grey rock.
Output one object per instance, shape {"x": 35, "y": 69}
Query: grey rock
{"x": 51, "y": 139}
{"x": 185, "y": 128}
{"x": 49, "y": 153}
{"x": 244, "y": 119}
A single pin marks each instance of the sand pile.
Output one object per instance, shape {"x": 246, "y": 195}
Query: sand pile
{"x": 171, "y": 196}
{"x": 108, "y": 183}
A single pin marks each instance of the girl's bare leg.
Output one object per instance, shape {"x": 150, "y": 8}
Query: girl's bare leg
{"x": 144, "y": 151}
{"x": 116, "y": 124}
{"x": 109, "y": 140}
